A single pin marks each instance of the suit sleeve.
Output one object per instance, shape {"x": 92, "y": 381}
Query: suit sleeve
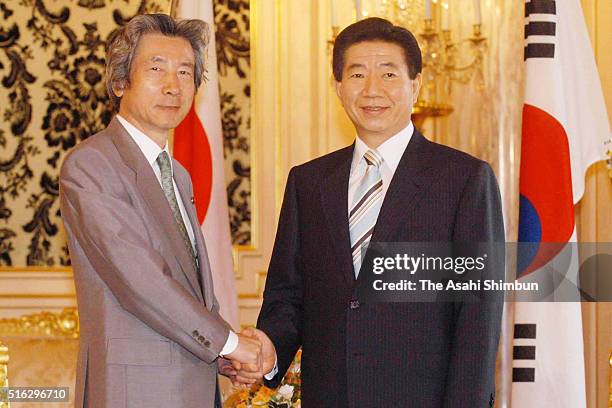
{"x": 471, "y": 375}
{"x": 113, "y": 236}
{"x": 281, "y": 313}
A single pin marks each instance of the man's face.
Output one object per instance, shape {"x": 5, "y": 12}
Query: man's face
{"x": 376, "y": 90}
{"x": 161, "y": 87}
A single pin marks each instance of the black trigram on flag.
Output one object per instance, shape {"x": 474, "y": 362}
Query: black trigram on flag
{"x": 524, "y": 352}
{"x": 540, "y": 16}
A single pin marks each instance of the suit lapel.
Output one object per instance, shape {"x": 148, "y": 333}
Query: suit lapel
{"x": 407, "y": 185}
{"x": 334, "y": 195}
{"x": 149, "y": 187}
{"x": 205, "y": 272}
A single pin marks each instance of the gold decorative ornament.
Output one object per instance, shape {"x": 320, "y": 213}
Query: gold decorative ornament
{"x": 43, "y": 324}
{"x": 4, "y": 358}
{"x": 610, "y": 390}
{"x": 609, "y": 160}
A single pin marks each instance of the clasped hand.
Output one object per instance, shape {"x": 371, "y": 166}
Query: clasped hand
{"x": 254, "y": 357}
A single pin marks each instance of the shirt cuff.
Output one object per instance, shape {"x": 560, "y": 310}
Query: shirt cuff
{"x": 230, "y": 344}
{"x": 274, "y": 371}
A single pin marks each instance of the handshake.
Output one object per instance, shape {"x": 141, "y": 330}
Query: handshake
{"x": 254, "y": 357}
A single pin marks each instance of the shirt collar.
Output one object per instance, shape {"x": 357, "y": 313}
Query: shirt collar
{"x": 148, "y": 147}
{"x": 391, "y": 150}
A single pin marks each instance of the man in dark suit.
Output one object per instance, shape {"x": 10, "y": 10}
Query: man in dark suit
{"x": 391, "y": 185}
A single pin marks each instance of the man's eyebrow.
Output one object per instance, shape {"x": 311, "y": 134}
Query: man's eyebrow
{"x": 355, "y": 65}
{"x": 388, "y": 64}
{"x": 159, "y": 58}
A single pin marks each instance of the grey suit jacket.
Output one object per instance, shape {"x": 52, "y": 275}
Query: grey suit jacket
{"x": 150, "y": 333}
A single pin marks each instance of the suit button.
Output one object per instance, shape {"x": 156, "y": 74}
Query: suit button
{"x": 354, "y": 304}
{"x": 202, "y": 339}
{"x": 195, "y": 334}
{"x": 207, "y": 343}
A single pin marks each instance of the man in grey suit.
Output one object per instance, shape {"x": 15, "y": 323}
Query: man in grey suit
{"x": 151, "y": 334}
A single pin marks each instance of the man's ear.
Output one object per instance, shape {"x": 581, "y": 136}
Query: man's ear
{"x": 118, "y": 89}
{"x": 339, "y": 89}
{"x": 416, "y": 87}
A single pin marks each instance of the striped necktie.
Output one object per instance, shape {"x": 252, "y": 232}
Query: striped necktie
{"x": 163, "y": 160}
{"x": 366, "y": 206}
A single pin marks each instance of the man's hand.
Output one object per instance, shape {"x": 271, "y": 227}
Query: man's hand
{"x": 267, "y": 348}
{"x": 246, "y": 376}
{"x": 247, "y": 355}
{"x": 225, "y": 367}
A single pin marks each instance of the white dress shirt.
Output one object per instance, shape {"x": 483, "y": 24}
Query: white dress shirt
{"x": 151, "y": 151}
{"x": 391, "y": 151}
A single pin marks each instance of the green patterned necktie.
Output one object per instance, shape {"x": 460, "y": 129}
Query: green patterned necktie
{"x": 163, "y": 160}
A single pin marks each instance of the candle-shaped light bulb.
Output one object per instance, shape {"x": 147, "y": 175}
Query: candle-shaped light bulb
{"x": 334, "y": 14}
{"x": 427, "y": 9}
{"x": 445, "y": 17}
{"x": 477, "y": 15}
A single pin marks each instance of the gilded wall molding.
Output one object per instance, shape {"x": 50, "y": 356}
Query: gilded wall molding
{"x": 4, "y": 359}
{"x": 610, "y": 390}
{"x": 63, "y": 325}
{"x": 35, "y": 269}
{"x": 260, "y": 282}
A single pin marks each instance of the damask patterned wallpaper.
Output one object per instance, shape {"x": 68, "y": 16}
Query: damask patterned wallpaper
{"x": 233, "y": 60}
{"x": 52, "y": 96}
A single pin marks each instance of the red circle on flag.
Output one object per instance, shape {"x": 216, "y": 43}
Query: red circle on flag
{"x": 192, "y": 150}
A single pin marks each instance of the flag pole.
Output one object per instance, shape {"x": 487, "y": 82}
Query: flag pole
{"x": 504, "y": 377}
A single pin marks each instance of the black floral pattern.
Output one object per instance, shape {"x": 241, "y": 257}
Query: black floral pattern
{"x": 232, "y": 32}
{"x": 15, "y": 170}
{"x": 61, "y": 124}
{"x": 88, "y": 75}
{"x": 233, "y": 62}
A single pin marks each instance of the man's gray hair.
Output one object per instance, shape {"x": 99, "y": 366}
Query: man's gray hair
{"x": 121, "y": 47}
